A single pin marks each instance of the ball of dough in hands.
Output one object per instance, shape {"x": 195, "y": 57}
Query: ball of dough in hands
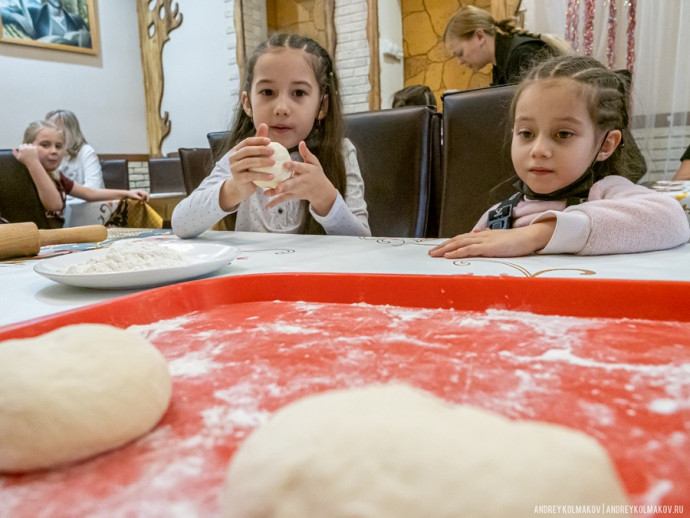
{"x": 75, "y": 392}
{"x": 280, "y": 174}
{"x": 396, "y": 452}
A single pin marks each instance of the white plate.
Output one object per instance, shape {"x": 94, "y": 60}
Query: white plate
{"x": 204, "y": 258}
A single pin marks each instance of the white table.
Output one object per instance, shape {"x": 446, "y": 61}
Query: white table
{"x": 26, "y": 295}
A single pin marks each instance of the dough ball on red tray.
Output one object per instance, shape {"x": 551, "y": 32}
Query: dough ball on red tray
{"x": 396, "y": 452}
{"x": 76, "y": 392}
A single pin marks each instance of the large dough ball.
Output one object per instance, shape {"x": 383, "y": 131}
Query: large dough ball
{"x": 394, "y": 452}
{"x": 76, "y": 392}
{"x": 280, "y": 155}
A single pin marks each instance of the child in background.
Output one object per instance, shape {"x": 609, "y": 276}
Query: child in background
{"x": 81, "y": 163}
{"x": 575, "y": 158}
{"x": 42, "y": 153}
{"x": 290, "y": 96}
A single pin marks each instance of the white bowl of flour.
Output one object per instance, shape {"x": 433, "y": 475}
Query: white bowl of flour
{"x": 136, "y": 263}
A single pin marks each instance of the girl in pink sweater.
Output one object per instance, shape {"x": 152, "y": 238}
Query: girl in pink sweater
{"x": 574, "y": 158}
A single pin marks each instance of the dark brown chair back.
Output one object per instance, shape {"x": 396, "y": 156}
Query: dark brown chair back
{"x": 476, "y": 156}
{"x": 19, "y": 201}
{"x": 436, "y": 179}
{"x": 216, "y": 139}
{"x": 197, "y": 164}
{"x": 115, "y": 173}
{"x": 165, "y": 175}
{"x": 396, "y": 158}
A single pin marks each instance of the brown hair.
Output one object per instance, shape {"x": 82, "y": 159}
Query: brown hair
{"x": 467, "y": 20}
{"x": 607, "y": 96}
{"x": 326, "y": 137}
{"x": 415, "y": 95}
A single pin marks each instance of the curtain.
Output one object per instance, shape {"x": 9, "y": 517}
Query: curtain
{"x": 657, "y": 53}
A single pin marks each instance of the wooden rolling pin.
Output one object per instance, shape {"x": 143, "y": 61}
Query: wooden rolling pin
{"x": 24, "y": 239}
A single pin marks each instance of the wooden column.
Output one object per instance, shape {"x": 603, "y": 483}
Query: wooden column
{"x": 155, "y": 25}
{"x": 374, "y": 60}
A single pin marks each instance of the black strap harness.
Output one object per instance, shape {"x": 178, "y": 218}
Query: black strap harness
{"x": 502, "y": 216}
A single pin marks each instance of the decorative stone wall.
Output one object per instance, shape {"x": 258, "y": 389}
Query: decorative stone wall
{"x": 352, "y": 47}
{"x": 427, "y": 61}
{"x": 139, "y": 175}
{"x": 352, "y": 54}
{"x": 307, "y": 17}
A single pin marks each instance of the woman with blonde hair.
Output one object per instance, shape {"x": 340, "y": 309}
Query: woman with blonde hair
{"x": 477, "y": 39}
{"x": 80, "y": 163}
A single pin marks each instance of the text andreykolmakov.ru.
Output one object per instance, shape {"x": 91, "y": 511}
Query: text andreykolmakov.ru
{"x": 608, "y": 509}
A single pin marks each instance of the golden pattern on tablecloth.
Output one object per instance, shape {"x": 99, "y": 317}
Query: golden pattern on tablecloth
{"x": 524, "y": 271}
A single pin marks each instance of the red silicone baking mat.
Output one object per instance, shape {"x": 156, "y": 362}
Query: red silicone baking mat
{"x": 611, "y": 358}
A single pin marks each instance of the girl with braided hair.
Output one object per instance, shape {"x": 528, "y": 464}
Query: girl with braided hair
{"x": 290, "y": 96}
{"x": 477, "y": 39}
{"x": 575, "y": 163}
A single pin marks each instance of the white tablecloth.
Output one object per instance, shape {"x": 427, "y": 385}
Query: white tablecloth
{"x": 25, "y": 294}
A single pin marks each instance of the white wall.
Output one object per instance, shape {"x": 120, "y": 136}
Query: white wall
{"x": 106, "y": 91}
{"x": 200, "y": 69}
{"x": 390, "y": 43}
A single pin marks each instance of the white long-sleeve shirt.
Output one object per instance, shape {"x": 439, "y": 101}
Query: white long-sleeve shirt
{"x": 201, "y": 209}
{"x": 84, "y": 169}
{"x": 618, "y": 217}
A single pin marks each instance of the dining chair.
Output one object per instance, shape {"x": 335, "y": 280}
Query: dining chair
{"x": 475, "y": 156}
{"x": 165, "y": 175}
{"x": 196, "y": 165}
{"x": 19, "y": 201}
{"x": 115, "y": 173}
{"x": 395, "y": 152}
{"x": 216, "y": 139}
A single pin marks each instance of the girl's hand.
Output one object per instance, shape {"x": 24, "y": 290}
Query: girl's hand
{"x": 513, "y": 242}
{"x": 249, "y": 154}
{"x": 138, "y": 194}
{"x": 26, "y": 154}
{"x": 308, "y": 182}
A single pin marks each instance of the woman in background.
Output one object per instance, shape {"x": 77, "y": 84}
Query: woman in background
{"x": 476, "y": 39}
{"x": 81, "y": 163}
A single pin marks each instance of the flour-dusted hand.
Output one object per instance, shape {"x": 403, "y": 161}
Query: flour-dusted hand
{"x": 308, "y": 182}
{"x": 249, "y": 154}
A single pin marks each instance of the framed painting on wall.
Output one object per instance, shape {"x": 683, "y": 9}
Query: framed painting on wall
{"x": 69, "y": 25}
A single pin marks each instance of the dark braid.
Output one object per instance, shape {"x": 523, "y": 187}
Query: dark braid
{"x": 608, "y": 100}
